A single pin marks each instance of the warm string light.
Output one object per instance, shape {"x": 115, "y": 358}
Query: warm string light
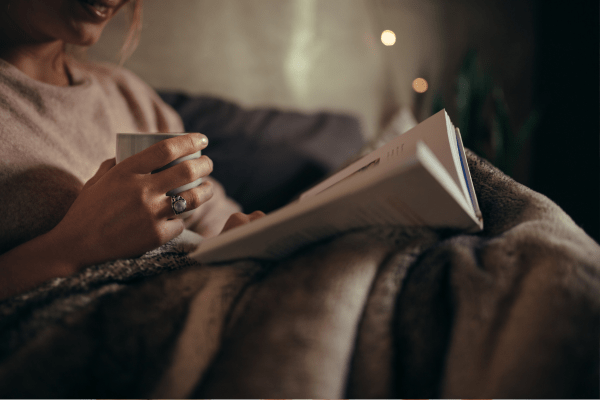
{"x": 420, "y": 85}
{"x": 388, "y": 38}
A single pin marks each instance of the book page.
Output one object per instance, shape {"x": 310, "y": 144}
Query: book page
{"x": 434, "y": 132}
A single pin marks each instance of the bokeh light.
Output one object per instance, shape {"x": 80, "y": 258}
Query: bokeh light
{"x": 388, "y": 37}
{"x": 420, "y": 85}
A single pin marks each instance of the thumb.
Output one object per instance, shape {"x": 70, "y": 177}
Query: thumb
{"x": 104, "y": 168}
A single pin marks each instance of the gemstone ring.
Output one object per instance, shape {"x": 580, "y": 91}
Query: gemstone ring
{"x": 178, "y": 204}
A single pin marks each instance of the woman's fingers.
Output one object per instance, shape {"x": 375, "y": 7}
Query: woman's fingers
{"x": 128, "y": 212}
{"x": 182, "y": 174}
{"x": 235, "y": 220}
{"x": 239, "y": 219}
{"x": 164, "y": 152}
{"x": 194, "y": 198}
{"x": 256, "y": 215}
{"x": 170, "y": 229}
{"x": 104, "y": 168}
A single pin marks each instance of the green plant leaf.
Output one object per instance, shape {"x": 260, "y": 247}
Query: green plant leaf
{"x": 474, "y": 88}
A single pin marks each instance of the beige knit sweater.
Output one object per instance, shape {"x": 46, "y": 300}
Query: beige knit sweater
{"x": 53, "y": 139}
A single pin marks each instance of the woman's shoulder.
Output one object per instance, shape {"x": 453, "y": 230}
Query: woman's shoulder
{"x": 117, "y": 81}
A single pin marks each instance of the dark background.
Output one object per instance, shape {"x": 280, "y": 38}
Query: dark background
{"x": 544, "y": 54}
{"x": 565, "y": 150}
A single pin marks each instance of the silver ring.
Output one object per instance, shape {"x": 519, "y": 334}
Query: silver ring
{"x": 178, "y": 204}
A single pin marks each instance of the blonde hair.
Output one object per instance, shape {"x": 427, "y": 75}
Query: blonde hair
{"x": 132, "y": 39}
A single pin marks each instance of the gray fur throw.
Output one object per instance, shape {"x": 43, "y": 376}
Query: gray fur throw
{"x": 387, "y": 312}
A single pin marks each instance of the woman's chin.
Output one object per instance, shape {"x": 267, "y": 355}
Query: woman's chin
{"x": 84, "y": 34}
{"x": 87, "y": 21}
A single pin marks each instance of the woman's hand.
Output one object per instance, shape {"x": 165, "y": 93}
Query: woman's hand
{"x": 239, "y": 219}
{"x": 123, "y": 212}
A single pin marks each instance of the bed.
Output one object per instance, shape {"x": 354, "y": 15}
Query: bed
{"x": 384, "y": 312}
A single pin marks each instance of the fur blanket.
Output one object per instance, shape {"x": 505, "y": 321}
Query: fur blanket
{"x": 388, "y": 312}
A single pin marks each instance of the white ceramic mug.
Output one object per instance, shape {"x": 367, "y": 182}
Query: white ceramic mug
{"x": 129, "y": 144}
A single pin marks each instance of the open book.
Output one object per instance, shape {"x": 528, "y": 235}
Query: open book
{"x": 420, "y": 178}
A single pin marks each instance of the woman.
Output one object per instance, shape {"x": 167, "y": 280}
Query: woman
{"x": 58, "y": 120}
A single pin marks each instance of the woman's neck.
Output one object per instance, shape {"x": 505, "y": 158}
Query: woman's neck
{"x": 40, "y": 57}
{"x": 44, "y": 62}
